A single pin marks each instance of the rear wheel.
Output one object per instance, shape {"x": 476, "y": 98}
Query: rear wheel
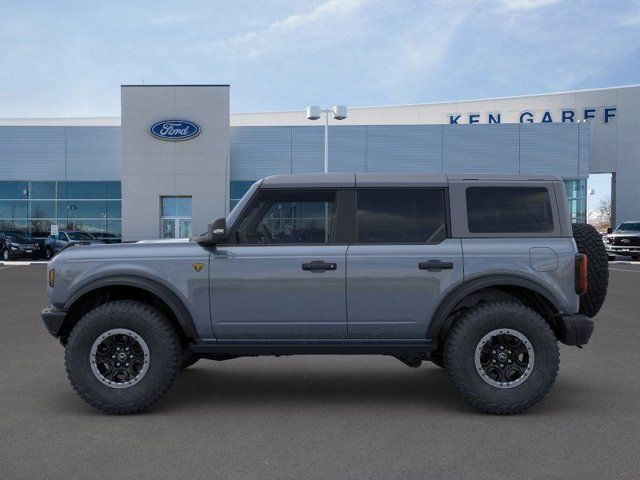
{"x": 122, "y": 356}
{"x": 502, "y": 357}
{"x": 589, "y": 242}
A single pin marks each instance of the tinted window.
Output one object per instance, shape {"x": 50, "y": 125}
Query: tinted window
{"x": 401, "y": 216}
{"x": 289, "y": 218}
{"x": 509, "y": 210}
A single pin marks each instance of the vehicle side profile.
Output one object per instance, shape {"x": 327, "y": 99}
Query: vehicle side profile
{"x": 480, "y": 274}
{"x": 16, "y": 244}
{"x": 54, "y": 243}
{"x": 624, "y": 240}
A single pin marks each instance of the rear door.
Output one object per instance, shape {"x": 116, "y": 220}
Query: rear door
{"x": 283, "y": 276}
{"x": 402, "y": 262}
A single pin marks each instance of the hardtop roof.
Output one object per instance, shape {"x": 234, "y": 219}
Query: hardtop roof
{"x": 346, "y": 180}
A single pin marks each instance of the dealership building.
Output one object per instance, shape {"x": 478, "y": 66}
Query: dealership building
{"x": 177, "y": 158}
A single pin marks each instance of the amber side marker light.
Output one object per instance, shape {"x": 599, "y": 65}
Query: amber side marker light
{"x": 581, "y": 273}
{"x": 52, "y": 277}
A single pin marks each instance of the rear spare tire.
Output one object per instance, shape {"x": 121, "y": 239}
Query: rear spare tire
{"x": 589, "y": 242}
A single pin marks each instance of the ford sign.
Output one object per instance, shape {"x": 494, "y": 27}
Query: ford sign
{"x": 174, "y": 130}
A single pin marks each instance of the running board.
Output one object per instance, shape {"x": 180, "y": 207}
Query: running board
{"x": 316, "y": 347}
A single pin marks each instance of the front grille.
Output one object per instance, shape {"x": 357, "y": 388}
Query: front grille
{"x": 628, "y": 241}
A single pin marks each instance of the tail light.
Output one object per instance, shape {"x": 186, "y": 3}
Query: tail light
{"x": 581, "y": 273}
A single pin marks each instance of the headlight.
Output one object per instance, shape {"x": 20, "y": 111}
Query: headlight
{"x": 14, "y": 246}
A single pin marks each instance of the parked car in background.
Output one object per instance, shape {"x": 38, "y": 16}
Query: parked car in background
{"x": 54, "y": 243}
{"x": 624, "y": 240}
{"x": 15, "y": 244}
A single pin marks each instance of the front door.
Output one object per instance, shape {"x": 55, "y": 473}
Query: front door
{"x": 282, "y": 276}
{"x": 402, "y": 262}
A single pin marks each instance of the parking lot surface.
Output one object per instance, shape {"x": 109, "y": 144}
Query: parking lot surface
{"x": 319, "y": 417}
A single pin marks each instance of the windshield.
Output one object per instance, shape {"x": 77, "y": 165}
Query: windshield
{"x": 19, "y": 237}
{"x": 629, "y": 227}
{"x": 80, "y": 236}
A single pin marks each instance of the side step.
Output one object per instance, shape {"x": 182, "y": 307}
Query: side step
{"x": 402, "y": 348}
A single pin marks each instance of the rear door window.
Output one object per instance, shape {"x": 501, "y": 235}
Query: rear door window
{"x": 509, "y": 210}
{"x": 401, "y": 215}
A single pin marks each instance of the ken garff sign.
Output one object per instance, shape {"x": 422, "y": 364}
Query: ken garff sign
{"x": 174, "y": 130}
{"x": 568, "y": 115}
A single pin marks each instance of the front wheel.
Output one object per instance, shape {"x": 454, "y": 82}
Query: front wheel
{"x": 6, "y": 256}
{"x": 122, "y": 356}
{"x": 502, "y": 356}
{"x": 48, "y": 253}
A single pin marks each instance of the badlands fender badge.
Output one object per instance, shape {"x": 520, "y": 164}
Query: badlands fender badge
{"x": 198, "y": 267}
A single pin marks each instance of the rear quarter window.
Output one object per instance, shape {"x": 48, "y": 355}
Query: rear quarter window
{"x": 509, "y": 210}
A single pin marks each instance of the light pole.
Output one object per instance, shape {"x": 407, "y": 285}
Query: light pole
{"x": 314, "y": 112}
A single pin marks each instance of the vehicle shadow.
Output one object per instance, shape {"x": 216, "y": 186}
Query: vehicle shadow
{"x": 401, "y": 388}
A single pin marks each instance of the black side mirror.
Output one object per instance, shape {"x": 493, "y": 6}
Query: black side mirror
{"x": 609, "y": 230}
{"x": 216, "y": 233}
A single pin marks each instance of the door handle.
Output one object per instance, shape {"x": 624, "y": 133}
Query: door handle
{"x": 319, "y": 266}
{"x": 435, "y": 265}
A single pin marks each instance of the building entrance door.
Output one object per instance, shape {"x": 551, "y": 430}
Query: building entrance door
{"x": 175, "y": 217}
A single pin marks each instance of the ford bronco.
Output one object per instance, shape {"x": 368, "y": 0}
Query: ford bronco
{"x": 480, "y": 274}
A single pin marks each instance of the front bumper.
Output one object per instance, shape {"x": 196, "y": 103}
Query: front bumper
{"x": 622, "y": 250}
{"x": 575, "y": 329}
{"x": 53, "y": 319}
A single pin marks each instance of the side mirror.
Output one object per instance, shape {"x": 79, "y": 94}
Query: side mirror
{"x": 216, "y": 233}
{"x": 610, "y": 230}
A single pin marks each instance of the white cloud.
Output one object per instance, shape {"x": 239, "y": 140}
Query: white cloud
{"x": 526, "y": 5}
{"x": 326, "y": 24}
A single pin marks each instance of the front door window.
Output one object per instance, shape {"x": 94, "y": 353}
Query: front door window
{"x": 175, "y": 217}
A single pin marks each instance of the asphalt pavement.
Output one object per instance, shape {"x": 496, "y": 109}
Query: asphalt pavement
{"x": 319, "y": 417}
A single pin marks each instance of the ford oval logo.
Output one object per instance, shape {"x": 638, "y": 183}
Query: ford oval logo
{"x": 174, "y": 130}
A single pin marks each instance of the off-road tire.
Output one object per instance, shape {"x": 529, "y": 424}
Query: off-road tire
{"x": 466, "y": 334}
{"x": 165, "y": 355}
{"x": 589, "y": 242}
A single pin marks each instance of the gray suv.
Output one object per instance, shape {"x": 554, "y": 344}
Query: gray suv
{"x": 481, "y": 275}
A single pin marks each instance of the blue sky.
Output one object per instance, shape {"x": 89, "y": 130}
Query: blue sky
{"x": 69, "y": 58}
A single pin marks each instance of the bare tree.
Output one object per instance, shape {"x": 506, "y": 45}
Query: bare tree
{"x": 604, "y": 209}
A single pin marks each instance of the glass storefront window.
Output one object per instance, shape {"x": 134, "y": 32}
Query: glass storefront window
{"x": 41, "y": 228}
{"x": 32, "y": 207}
{"x": 114, "y": 190}
{"x": 114, "y": 209}
{"x": 175, "y": 221}
{"x": 577, "y": 198}
{"x": 42, "y": 209}
{"x": 42, "y": 190}
{"x": 82, "y": 190}
{"x": 13, "y": 190}
{"x": 10, "y": 209}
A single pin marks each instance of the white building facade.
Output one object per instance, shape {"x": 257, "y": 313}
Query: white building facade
{"x": 177, "y": 158}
